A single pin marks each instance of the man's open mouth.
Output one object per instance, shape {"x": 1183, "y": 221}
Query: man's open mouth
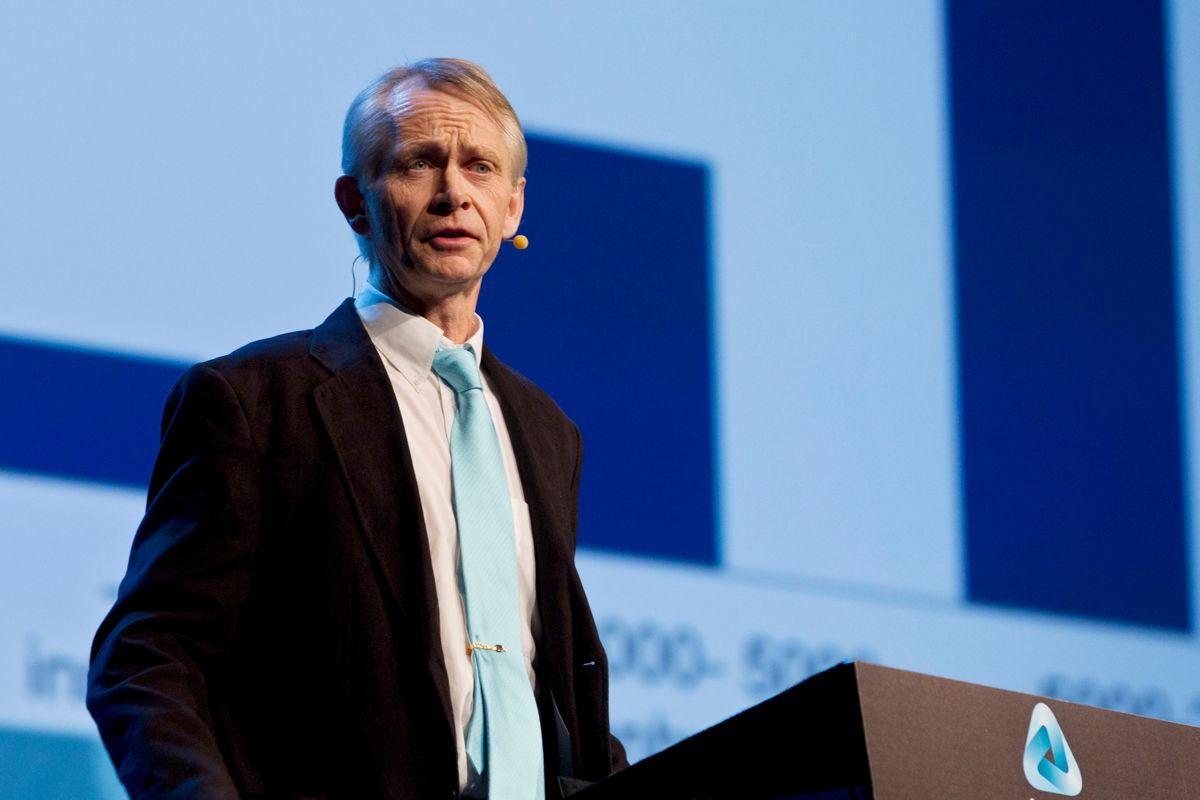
{"x": 450, "y": 234}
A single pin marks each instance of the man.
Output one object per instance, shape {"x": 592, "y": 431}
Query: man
{"x": 355, "y": 577}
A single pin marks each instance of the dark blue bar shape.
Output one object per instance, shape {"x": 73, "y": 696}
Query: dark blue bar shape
{"x": 1067, "y": 341}
{"x": 610, "y": 310}
{"x": 82, "y": 414}
{"x": 612, "y": 317}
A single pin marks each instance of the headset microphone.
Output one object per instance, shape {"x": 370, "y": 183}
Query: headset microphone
{"x": 519, "y": 241}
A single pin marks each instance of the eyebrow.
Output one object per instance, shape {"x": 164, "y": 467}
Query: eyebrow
{"x": 420, "y": 146}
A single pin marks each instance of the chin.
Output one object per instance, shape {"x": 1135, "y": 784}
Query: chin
{"x": 456, "y": 268}
{"x": 450, "y": 274}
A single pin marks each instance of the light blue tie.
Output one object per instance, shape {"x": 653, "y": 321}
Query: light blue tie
{"x": 504, "y": 738}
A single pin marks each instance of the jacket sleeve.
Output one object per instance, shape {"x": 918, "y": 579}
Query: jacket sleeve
{"x": 156, "y": 654}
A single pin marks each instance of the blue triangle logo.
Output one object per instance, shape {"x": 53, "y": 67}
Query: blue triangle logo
{"x": 1049, "y": 764}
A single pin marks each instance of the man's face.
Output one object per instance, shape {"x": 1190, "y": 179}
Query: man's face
{"x": 446, "y": 199}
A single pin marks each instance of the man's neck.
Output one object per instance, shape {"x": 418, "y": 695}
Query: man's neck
{"x": 457, "y": 324}
{"x": 454, "y": 312}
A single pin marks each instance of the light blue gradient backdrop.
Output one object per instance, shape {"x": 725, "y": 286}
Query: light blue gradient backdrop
{"x": 168, "y": 172}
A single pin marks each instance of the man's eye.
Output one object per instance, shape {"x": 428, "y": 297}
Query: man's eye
{"x": 481, "y": 168}
{"x": 418, "y": 164}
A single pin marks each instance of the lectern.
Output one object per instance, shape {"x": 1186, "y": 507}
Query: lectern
{"x": 861, "y": 731}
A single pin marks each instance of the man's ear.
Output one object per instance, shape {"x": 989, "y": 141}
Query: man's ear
{"x": 516, "y": 207}
{"x": 352, "y": 203}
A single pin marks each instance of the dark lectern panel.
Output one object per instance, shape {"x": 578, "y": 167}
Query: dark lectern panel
{"x": 805, "y": 743}
{"x": 864, "y": 732}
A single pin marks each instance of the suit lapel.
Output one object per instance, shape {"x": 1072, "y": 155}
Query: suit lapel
{"x": 551, "y": 550}
{"x": 358, "y": 408}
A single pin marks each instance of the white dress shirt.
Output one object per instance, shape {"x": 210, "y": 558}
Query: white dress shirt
{"x": 407, "y": 342}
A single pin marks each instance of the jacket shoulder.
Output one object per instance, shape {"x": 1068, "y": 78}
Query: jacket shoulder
{"x": 298, "y": 353}
{"x": 282, "y": 353}
{"x": 267, "y": 378}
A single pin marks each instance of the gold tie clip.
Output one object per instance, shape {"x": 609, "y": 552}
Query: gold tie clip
{"x": 495, "y": 648}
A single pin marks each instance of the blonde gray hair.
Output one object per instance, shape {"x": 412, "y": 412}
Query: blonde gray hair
{"x": 369, "y": 134}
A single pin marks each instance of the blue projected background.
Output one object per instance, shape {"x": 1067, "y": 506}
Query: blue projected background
{"x": 881, "y": 324}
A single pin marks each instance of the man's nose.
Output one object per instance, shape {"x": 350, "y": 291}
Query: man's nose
{"x": 451, "y": 194}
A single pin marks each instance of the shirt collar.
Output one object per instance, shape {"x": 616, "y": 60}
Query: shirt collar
{"x": 405, "y": 339}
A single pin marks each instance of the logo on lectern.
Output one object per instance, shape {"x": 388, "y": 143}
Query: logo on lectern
{"x": 1049, "y": 764}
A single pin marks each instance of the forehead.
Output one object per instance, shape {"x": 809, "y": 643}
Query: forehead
{"x": 421, "y": 114}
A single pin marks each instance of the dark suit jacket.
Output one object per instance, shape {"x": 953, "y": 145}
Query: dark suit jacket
{"x": 275, "y": 634}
